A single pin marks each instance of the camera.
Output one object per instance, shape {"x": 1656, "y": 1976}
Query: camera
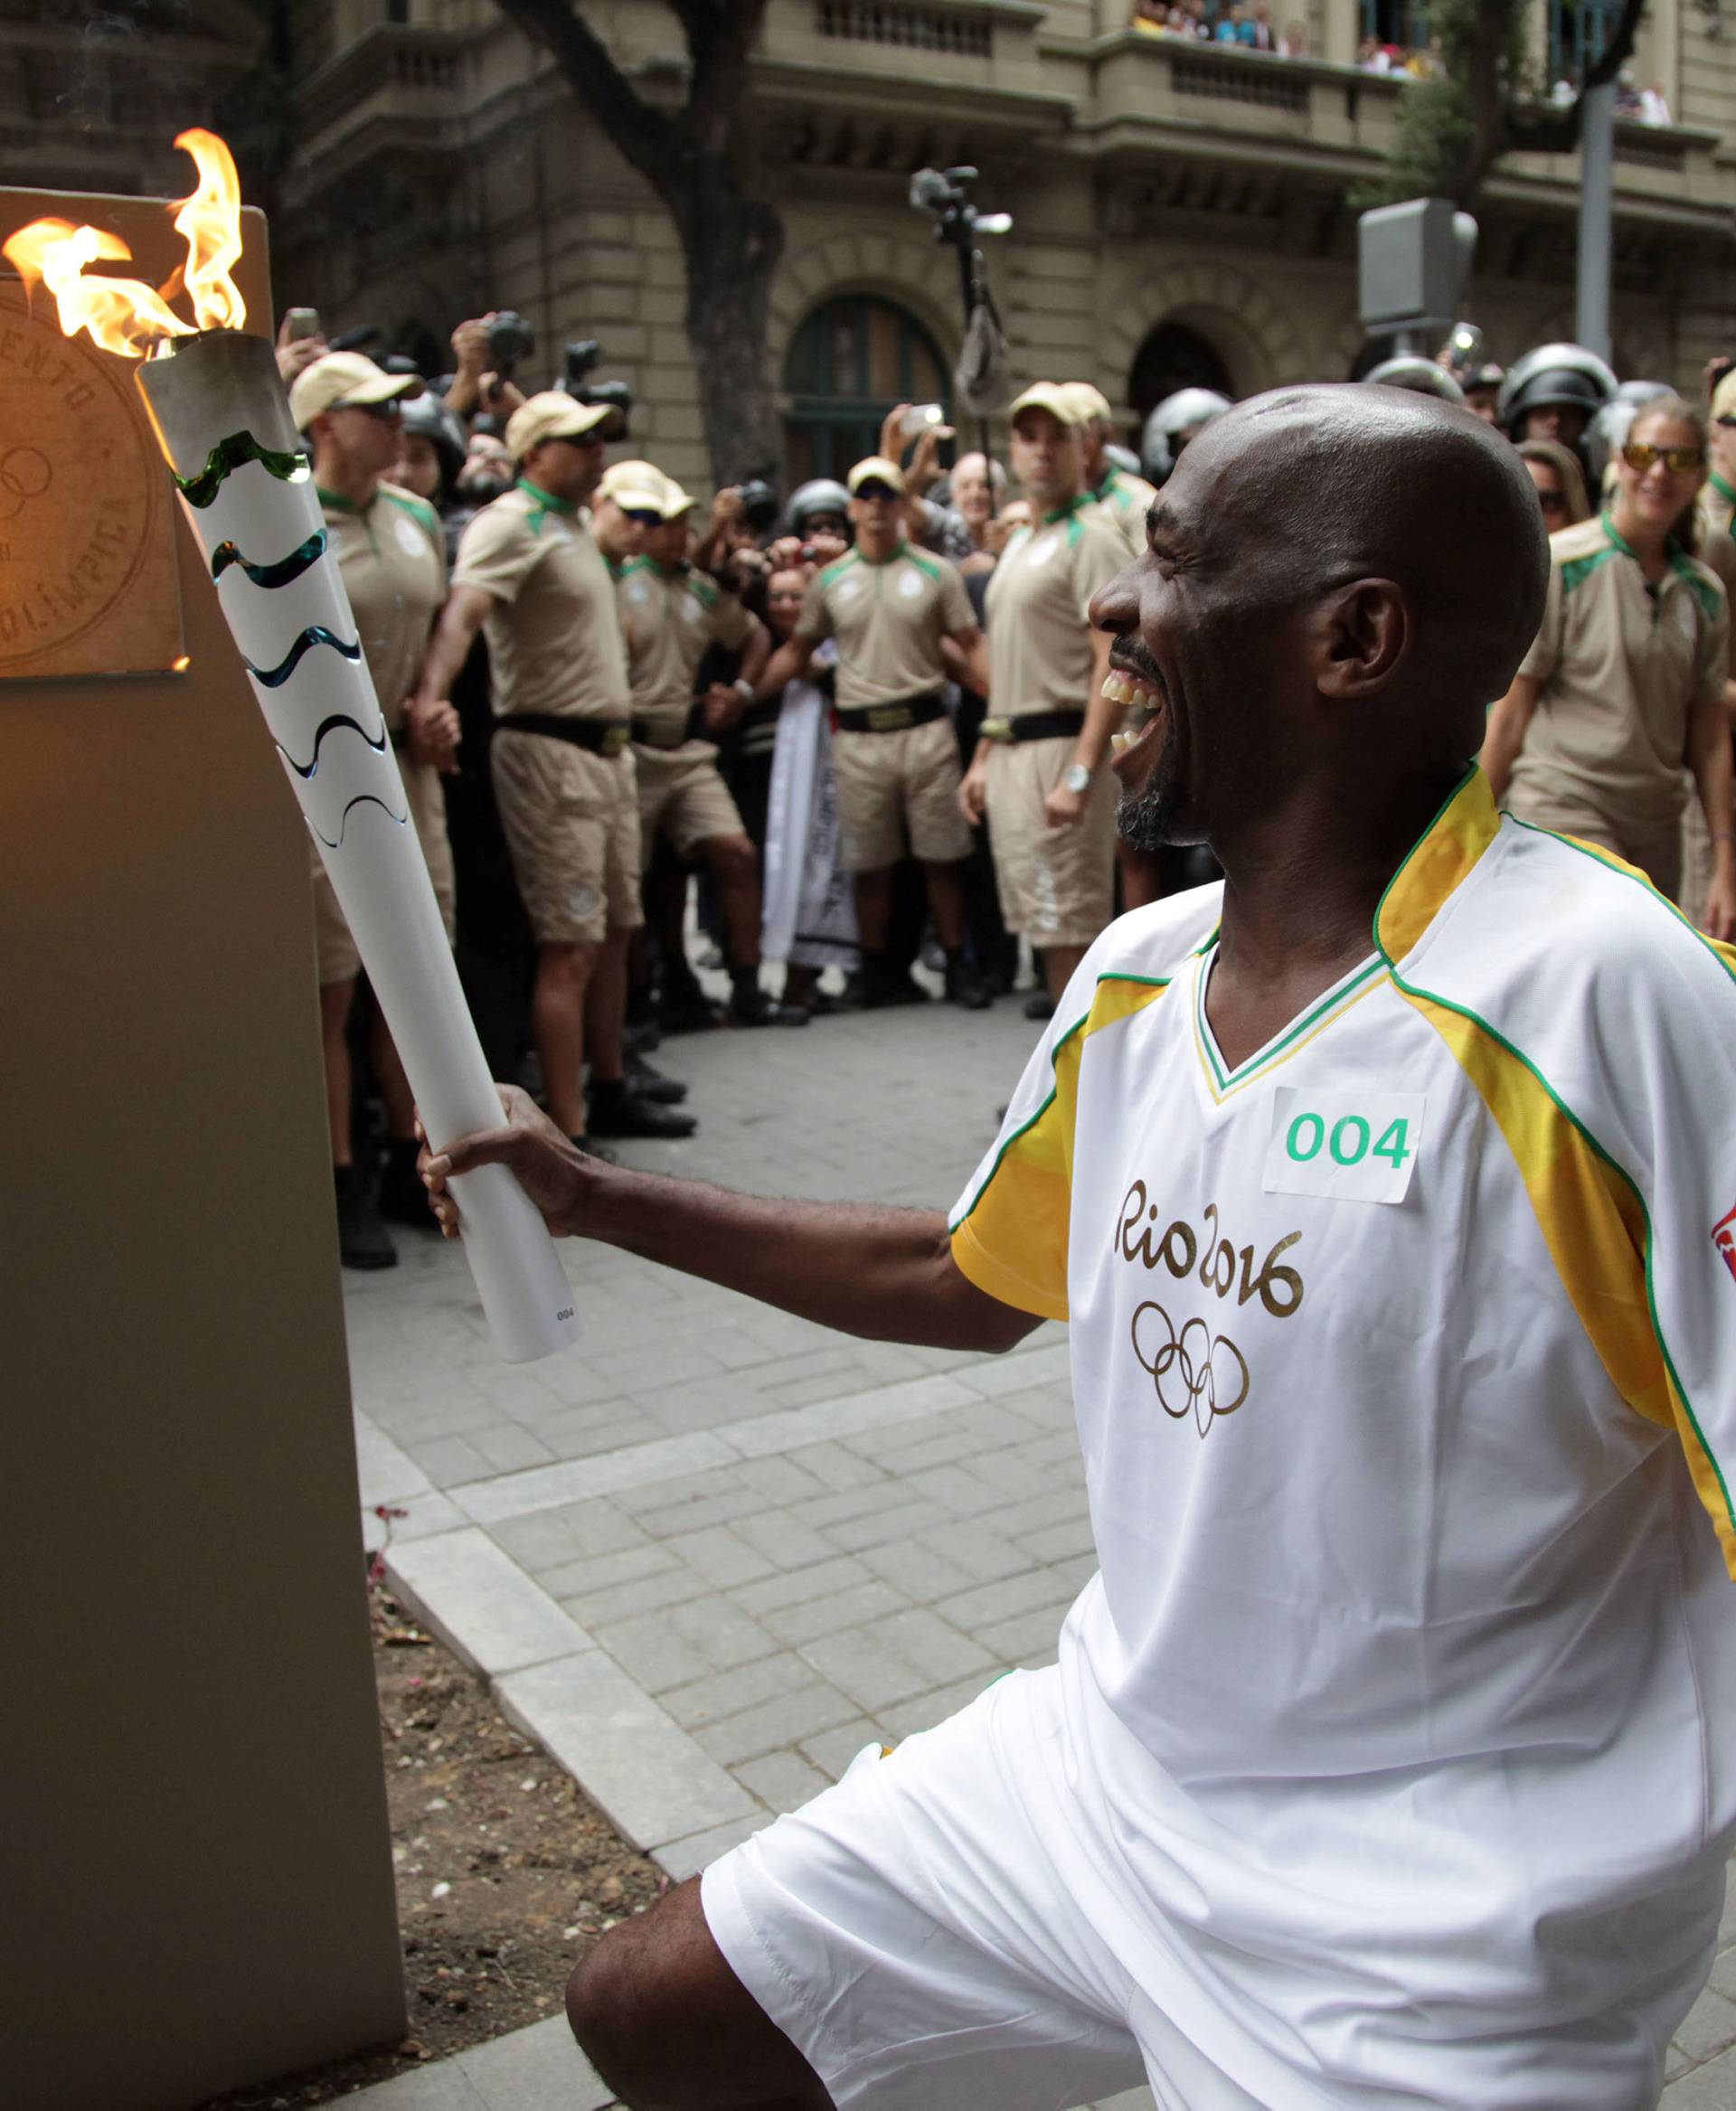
{"x": 758, "y": 505}
{"x": 582, "y": 356}
{"x": 510, "y": 339}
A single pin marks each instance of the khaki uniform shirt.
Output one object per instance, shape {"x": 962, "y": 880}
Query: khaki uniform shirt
{"x": 1621, "y": 665}
{"x": 1039, "y": 641}
{"x": 1716, "y": 506}
{"x": 1127, "y": 500}
{"x": 888, "y": 618}
{"x": 670, "y": 619}
{"x": 554, "y": 638}
{"x": 392, "y": 553}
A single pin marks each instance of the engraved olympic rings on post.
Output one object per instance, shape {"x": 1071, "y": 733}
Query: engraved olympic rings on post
{"x": 25, "y": 473}
{"x": 1194, "y": 1369}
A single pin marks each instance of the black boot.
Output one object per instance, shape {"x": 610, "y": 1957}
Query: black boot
{"x": 883, "y": 985}
{"x": 403, "y": 1199}
{"x": 614, "y": 1110}
{"x": 363, "y": 1240}
{"x": 963, "y": 988}
{"x": 750, "y": 1006}
{"x": 650, "y": 1083}
{"x": 685, "y": 1008}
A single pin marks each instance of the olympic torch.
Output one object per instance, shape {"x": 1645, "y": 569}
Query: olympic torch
{"x": 223, "y": 423}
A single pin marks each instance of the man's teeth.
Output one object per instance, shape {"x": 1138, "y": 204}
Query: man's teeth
{"x": 1131, "y": 691}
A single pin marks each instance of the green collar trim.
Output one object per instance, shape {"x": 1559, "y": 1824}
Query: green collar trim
{"x": 1724, "y": 490}
{"x": 862, "y": 556}
{"x": 1673, "y": 550}
{"x": 342, "y": 505}
{"x": 546, "y": 500}
{"x": 1066, "y": 512}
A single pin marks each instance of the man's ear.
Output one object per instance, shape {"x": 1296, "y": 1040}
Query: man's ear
{"x": 1358, "y": 637}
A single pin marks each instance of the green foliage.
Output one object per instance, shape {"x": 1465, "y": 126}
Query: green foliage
{"x": 1453, "y": 122}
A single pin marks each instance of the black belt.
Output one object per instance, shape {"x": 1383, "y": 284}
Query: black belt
{"x": 894, "y": 718}
{"x": 660, "y": 733}
{"x": 1034, "y": 725}
{"x": 602, "y": 736}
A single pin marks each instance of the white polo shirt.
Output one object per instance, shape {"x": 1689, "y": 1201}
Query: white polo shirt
{"x": 1404, "y": 1359}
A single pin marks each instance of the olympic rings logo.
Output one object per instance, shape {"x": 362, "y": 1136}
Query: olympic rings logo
{"x": 25, "y": 473}
{"x": 1194, "y": 1370}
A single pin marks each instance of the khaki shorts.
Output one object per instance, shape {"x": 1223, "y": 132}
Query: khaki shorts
{"x": 894, "y": 785}
{"x": 682, "y": 795}
{"x": 1057, "y": 885}
{"x": 1651, "y": 841}
{"x": 571, "y": 823}
{"x": 338, "y": 960}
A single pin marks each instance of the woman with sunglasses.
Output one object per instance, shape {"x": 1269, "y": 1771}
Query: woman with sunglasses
{"x": 1560, "y": 483}
{"x": 1624, "y": 688}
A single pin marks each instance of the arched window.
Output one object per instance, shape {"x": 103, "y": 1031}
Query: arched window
{"x": 1174, "y": 357}
{"x": 850, "y": 361}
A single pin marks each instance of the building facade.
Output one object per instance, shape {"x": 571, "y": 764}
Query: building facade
{"x": 1180, "y": 210}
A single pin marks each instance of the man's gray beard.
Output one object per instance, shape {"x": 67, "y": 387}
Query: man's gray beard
{"x": 1139, "y": 818}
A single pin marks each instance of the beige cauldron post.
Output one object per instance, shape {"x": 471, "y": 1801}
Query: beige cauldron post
{"x": 199, "y": 1883}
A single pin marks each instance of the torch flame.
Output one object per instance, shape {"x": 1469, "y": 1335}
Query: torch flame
{"x": 211, "y": 222}
{"x": 123, "y": 314}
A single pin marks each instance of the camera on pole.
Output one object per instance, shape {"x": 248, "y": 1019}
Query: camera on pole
{"x": 979, "y": 379}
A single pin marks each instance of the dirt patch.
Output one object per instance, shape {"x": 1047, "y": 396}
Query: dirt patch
{"x": 506, "y": 1872}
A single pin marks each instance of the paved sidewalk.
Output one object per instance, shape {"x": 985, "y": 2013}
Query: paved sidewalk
{"x": 708, "y": 1555}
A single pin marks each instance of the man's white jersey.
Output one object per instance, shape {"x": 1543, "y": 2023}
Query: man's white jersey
{"x": 1404, "y": 1357}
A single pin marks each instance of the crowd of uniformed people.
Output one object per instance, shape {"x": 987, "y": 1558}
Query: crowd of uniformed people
{"x": 874, "y": 727}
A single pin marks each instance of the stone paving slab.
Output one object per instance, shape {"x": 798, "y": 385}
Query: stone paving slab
{"x": 482, "y": 1604}
{"x": 538, "y": 2069}
{"x": 773, "y": 1544}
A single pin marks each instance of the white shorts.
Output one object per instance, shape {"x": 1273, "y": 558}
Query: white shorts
{"x": 973, "y": 1923}
{"x": 915, "y": 1932}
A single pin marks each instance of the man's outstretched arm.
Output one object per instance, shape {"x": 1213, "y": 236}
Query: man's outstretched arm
{"x": 864, "y": 1268}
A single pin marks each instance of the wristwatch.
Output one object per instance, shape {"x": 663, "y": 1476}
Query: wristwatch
{"x": 1077, "y": 780}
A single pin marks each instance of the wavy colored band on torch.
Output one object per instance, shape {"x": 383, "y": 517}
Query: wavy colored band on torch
{"x": 315, "y": 634}
{"x": 326, "y": 726}
{"x": 270, "y": 575}
{"x": 361, "y": 799}
{"x": 232, "y": 453}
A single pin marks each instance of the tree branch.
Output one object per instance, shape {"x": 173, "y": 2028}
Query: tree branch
{"x": 1538, "y": 131}
{"x": 645, "y": 138}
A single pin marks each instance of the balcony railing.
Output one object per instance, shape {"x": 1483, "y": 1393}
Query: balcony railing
{"x": 917, "y": 29}
{"x": 1234, "y": 81}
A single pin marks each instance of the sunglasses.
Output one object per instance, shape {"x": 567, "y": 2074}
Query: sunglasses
{"x": 387, "y": 413}
{"x": 1551, "y": 502}
{"x": 1726, "y": 420}
{"x": 1640, "y": 454}
{"x": 642, "y": 520}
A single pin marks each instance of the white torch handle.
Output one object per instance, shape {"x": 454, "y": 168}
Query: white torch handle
{"x": 283, "y": 597}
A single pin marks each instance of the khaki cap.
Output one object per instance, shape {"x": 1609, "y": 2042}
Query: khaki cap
{"x": 1054, "y": 397}
{"x": 338, "y": 379}
{"x": 675, "y": 501}
{"x": 1724, "y": 397}
{"x": 876, "y": 469}
{"x": 637, "y": 487}
{"x": 1091, "y": 403}
{"x": 553, "y": 414}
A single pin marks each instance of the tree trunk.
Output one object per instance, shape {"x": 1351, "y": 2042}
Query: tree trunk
{"x": 732, "y": 245}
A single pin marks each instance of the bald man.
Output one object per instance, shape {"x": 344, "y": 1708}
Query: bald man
{"x": 1387, "y": 1187}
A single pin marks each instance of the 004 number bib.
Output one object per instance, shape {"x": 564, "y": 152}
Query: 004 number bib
{"x": 1353, "y": 1146}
